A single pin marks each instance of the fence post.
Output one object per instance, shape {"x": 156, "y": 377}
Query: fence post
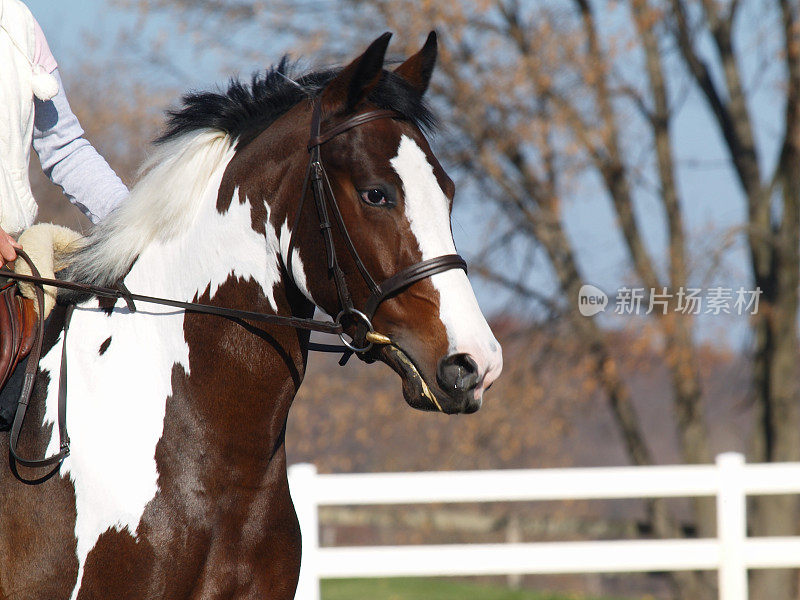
{"x": 302, "y": 484}
{"x": 514, "y": 536}
{"x": 731, "y": 527}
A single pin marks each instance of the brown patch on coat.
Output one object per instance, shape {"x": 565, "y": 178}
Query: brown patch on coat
{"x": 37, "y": 523}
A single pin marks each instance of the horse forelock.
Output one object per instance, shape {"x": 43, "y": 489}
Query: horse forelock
{"x": 245, "y": 109}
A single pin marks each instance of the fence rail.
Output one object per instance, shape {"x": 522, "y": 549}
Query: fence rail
{"x": 731, "y": 553}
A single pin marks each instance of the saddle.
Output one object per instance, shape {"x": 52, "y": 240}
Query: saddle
{"x": 44, "y": 244}
{"x": 18, "y": 328}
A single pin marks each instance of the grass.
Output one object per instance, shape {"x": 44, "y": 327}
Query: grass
{"x": 427, "y": 589}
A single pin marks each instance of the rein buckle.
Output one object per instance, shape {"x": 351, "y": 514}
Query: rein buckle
{"x": 370, "y": 336}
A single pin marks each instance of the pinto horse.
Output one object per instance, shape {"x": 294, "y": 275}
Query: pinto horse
{"x": 176, "y": 483}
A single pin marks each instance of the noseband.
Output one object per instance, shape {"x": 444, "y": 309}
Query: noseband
{"x": 365, "y": 336}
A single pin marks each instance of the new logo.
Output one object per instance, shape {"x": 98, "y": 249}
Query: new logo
{"x": 591, "y": 300}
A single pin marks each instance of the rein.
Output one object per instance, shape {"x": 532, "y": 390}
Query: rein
{"x": 364, "y": 337}
{"x": 130, "y": 298}
{"x": 106, "y": 292}
{"x": 31, "y": 368}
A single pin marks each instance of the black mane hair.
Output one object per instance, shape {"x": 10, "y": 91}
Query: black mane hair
{"x": 244, "y": 111}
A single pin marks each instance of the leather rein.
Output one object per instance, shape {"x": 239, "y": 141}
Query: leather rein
{"x": 364, "y": 337}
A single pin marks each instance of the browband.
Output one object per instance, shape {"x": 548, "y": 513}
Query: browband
{"x": 332, "y": 132}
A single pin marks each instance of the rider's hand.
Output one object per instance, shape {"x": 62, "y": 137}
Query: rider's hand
{"x": 8, "y": 248}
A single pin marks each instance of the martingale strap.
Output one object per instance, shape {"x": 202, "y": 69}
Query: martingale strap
{"x": 31, "y": 369}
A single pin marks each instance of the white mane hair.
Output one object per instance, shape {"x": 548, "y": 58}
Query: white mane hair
{"x": 162, "y": 205}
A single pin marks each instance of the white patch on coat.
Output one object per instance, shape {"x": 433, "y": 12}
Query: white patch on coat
{"x": 298, "y": 272}
{"x": 426, "y": 208}
{"x": 161, "y": 206}
{"x": 117, "y": 400}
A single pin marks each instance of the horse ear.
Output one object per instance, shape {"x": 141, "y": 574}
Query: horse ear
{"x": 417, "y": 70}
{"x": 358, "y": 78}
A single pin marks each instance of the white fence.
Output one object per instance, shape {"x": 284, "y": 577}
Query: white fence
{"x": 732, "y": 553}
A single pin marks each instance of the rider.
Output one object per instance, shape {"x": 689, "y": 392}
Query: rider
{"x": 34, "y": 110}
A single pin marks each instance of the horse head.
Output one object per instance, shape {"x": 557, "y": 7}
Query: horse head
{"x": 387, "y": 201}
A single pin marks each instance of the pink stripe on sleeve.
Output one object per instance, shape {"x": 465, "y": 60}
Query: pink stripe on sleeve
{"x": 42, "y": 55}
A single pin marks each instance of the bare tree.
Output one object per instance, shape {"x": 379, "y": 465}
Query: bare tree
{"x": 539, "y": 97}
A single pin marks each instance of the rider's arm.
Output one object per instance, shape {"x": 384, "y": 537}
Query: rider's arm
{"x": 67, "y": 158}
{"x": 70, "y": 161}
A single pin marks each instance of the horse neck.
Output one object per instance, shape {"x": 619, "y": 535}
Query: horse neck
{"x": 230, "y": 255}
{"x": 215, "y": 247}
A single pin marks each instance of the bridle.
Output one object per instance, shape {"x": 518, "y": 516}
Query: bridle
{"x": 365, "y": 336}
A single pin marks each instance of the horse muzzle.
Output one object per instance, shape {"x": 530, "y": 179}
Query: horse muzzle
{"x": 459, "y": 378}
{"x": 456, "y": 387}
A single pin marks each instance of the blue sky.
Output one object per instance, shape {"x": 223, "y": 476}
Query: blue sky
{"x": 713, "y": 204}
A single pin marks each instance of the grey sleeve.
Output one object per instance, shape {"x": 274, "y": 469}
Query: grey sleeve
{"x": 70, "y": 161}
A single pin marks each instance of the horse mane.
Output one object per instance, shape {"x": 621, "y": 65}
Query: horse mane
{"x": 243, "y": 111}
{"x": 199, "y": 136}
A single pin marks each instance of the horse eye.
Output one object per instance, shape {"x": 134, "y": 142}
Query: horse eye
{"x": 374, "y": 196}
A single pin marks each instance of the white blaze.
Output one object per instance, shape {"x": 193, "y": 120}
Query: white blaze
{"x": 427, "y": 211}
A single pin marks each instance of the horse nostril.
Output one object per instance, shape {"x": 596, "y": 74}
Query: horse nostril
{"x": 457, "y": 373}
